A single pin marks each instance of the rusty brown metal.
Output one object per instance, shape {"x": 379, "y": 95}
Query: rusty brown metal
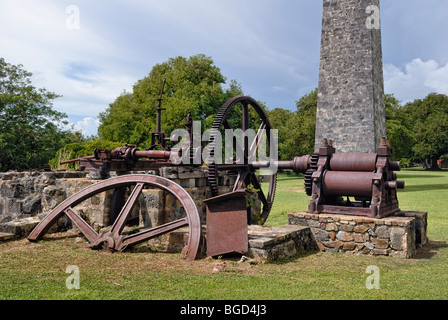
{"x": 355, "y": 184}
{"x": 347, "y": 183}
{"x": 245, "y": 169}
{"x": 353, "y": 162}
{"x": 114, "y": 239}
{"x": 368, "y": 182}
{"x": 226, "y": 223}
{"x": 158, "y": 136}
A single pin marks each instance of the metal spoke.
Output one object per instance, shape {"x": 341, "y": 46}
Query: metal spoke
{"x": 154, "y": 232}
{"x": 245, "y": 127}
{"x": 120, "y": 222}
{"x": 260, "y": 192}
{"x": 254, "y": 147}
{"x": 240, "y": 180}
{"x": 236, "y": 143}
{"x": 82, "y": 225}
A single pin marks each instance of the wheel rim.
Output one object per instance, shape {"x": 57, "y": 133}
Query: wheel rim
{"x": 114, "y": 238}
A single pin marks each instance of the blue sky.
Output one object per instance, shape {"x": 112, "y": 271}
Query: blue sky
{"x": 270, "y": 47}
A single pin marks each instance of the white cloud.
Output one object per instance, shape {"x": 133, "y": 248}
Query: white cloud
{"x": 417, "y": 80}
{"x": 88, "y": 126}
{"x": 270, "y": 47}
{"x": 73, "y": 63}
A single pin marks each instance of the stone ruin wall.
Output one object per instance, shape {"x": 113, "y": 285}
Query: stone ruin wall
{"x": 26, "y": 197}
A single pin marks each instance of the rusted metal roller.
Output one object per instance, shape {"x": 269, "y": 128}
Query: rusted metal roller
{"x": 367, "y": 178}
{"x": 347, "y": 183}
{"x": 353, "y": 162}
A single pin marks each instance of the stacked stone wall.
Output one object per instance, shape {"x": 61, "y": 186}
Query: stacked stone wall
{"x": 25, "y": 197}
{"x": 399, "y": 235}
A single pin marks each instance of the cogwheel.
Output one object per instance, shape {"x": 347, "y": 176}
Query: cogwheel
{"x": 309, "y": 173}
{"x": 220, "y": 123}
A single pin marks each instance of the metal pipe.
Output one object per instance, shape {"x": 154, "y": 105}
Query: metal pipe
{"x": 76, "y": 160}
{"x": 298, "y": 165}
{"x": 153, "y": 154}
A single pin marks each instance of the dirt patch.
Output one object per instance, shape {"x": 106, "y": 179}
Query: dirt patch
{"x": 296, "y": 189}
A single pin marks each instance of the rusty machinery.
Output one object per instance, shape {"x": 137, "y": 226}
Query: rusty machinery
{"x": 355, "y": 184}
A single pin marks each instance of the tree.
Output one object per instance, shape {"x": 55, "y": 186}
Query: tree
{"x": 280, "y": 120}
{"x": 296, "y": 129}
{"x": 30, "y": 129}
{"x": 192, "y": 84}
{"x": 398, "y": 130}
{"x": 306, "y": 124}
{"x": 428, "y": 119}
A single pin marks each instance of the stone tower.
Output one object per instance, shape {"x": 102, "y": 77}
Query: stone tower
{"x": 350, "y": 108}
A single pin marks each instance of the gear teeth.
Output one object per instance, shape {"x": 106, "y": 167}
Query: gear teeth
{"x": 218, "y": 123}
{"x": 309, "y": 173}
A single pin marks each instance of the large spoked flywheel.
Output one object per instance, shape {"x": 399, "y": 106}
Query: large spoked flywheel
{"x": 251, "y": 142}
{"x": 115, "y": 239}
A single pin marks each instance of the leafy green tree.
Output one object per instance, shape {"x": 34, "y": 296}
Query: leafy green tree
{"x": 398, "y": 130}
{"x": 281, "y": 120}
{"x": 428, "y": 119}
{"x": 192, "y": 84}
{"x": 296, "y": 128}
{"x": 306, "y": 125}
{"x": 30, "y": 129}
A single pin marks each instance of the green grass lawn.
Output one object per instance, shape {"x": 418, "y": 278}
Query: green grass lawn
{"x": 37, "y": 270}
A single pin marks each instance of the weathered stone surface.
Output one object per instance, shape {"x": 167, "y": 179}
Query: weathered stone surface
{"x": 332, "y": 235}
{"x": 394, "y": 236}
{"x": 369, "y": 245}
{"x": 330, "y": 227}
{"x": 382, "y": 232}
{"x": 360, "y": 228}
{"x": 380, "y": 243}
{"x": 397, "y": 237}
{"x": 344, "y": 236}
{"x": 335, "y": 244}
{"x": 346, "y": 227}
{"x": 5, "y": 236}
{"x": 351, "y": 90}
{"x": 349, "y": 246}
{"x": 380, "y": 252}
{"x": 358, "y": 238}
{"x": 19, "y": 228}
{"x": 268, "y": 244}
{"x": 321, "y": 235}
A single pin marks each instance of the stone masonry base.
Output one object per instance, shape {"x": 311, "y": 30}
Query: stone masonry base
{"x": 266, "y": 244}
{"x": 399, "y": 235}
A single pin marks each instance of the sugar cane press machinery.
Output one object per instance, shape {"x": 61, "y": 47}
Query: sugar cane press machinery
{"x": 354, "y": 184}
